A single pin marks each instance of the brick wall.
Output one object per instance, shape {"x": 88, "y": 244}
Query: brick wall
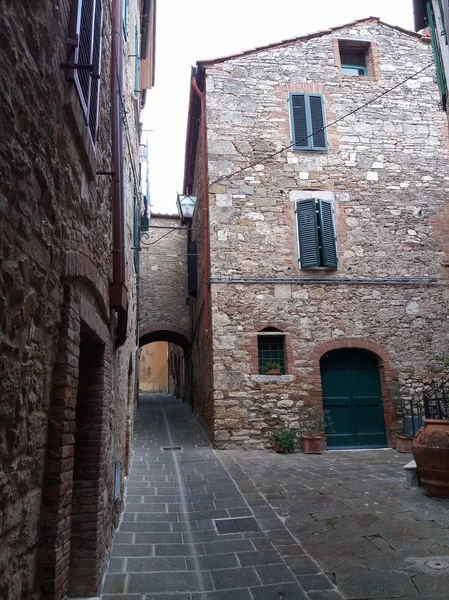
{"x": 55, "y": 267}
{"x": 386, "y": 174}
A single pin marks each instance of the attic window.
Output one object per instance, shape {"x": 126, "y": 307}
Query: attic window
{"x": 355, "y": 58}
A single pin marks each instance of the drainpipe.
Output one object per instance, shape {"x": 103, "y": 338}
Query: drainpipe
{"x": 118, "y": 293}
{"x": 205, "y": 204}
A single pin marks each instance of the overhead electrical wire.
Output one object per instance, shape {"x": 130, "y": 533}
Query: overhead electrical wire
{"x": 355, "y": 110}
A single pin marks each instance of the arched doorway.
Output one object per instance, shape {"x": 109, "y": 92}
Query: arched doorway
{"x": 353, "y": 400}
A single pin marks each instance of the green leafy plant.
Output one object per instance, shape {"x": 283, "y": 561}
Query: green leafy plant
{"x": 272, "y": 366}
{"x": 285, "y": 438}
{"x": 314, "y": 422}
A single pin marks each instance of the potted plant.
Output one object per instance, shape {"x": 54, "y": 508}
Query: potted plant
{"x": 312, "y": 428}
{"x": 272, "y": 368}
{"x": 431, "y": 444}
{"x": 283, "y": 440}
{"x": 404, "y": 442}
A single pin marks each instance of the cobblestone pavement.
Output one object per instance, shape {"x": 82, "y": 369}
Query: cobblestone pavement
{"x": 354, "y": 516}
{"x": 349, "y": 520}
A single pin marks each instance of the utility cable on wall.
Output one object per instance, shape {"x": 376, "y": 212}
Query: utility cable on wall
{"x": 272, "y": 155}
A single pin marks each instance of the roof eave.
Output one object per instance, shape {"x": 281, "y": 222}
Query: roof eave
{"x": 317, "y": 34}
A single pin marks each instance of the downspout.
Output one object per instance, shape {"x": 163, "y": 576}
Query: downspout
{"x": 118, "y": 293}
{"x": 206, "y": 261}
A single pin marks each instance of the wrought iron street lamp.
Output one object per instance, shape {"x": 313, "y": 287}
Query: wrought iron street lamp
{"x": 186, "y": 207}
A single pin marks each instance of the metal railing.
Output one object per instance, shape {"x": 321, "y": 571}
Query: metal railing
{"x": 432, "y": 402}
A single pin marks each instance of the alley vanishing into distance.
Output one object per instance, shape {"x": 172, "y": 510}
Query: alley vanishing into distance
{"x": 201, "y": 524}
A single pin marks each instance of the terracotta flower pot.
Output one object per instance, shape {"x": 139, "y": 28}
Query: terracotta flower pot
{"x": 312, "y": 444}
{"x": 404, "y": 443}
{"x": 431, "y": 452}
{"x": 273, "y": 372}
{"x": 277, "y": 447}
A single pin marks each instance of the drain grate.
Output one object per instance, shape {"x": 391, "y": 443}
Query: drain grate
{"x": 236, "y": 525}
{"x": 169, "y": 448}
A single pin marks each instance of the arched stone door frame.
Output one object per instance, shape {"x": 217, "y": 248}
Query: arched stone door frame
{"x": 386, "y": 374}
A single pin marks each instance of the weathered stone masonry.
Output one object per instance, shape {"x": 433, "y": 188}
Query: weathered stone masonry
{"x": 386, "y": 172}
{"x": 66, "y": 391}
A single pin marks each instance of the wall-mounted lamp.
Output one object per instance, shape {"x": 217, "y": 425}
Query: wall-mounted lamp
{"x": 186, "y": 207}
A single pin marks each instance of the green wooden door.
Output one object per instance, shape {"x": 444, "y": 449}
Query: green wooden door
{"x": 352, "y": 397}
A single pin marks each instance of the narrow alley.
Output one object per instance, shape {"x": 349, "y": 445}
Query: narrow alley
{"x": 199, "y": 524}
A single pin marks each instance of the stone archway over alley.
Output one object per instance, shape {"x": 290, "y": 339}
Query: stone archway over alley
{"x": 163, "y": 288}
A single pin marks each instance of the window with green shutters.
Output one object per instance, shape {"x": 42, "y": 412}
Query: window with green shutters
{"x": 316, "y": 234}
{"x": 308, "y": 122}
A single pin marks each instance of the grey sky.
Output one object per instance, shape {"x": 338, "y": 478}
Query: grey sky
{"x": 191, "y": 30}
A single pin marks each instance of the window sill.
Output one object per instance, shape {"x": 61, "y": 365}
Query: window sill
{"x": 369, "y": 78}
{"x": 272, "y": 378}
{"x": 75, "y": 112}
{"x": 309, "y": 149}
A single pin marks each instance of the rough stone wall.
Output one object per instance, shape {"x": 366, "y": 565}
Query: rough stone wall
{"x": 163, "y": 278}
{"x": 201, "y": 354}
{"x": 55, "y": 266}
{"x": 386, "y": 171}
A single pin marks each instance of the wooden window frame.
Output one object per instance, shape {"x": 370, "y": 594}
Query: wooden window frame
{"x": 310, "y": 142}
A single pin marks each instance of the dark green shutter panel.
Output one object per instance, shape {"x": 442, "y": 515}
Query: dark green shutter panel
{"x": 192, "y": 268}
{"x": 299, "y": 125}
{"x": 317, "y": 122}
{"x": 328, "y": 245}
{"x": 308, "y": 233}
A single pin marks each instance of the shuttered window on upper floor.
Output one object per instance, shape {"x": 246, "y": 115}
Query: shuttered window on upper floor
{"x": 308, "y": 122}
{"x": 86, "y": 25}
{"x": 316, "y": 234}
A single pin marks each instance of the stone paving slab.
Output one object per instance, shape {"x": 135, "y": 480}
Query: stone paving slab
{"x": 355, "y": 520}
{"x": 168, "y": 547}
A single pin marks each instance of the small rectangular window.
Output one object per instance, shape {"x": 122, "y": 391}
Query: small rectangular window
{"x": 316, "y": 234}
{"x": 308, "y": 122}
{"x": 356, "y": 58}
{"x": 85, "y": 35}
{"x": 353, "y": 63}
{"x": 271, "y": 353}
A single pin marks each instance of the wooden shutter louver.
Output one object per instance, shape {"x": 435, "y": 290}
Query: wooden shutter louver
{"x": 317, "y": 122}
{"x": 299, "y": 121}
{"x": 85, "y": 36}
{"x": 327, "y": 230}
{"x": 309, "y": 249}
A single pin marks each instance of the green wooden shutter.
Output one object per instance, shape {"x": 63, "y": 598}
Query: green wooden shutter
{"x": 299, "y": 121}
{"x": 441, "y": 79}
{"x": 125, "y": 10}
{"x": 309, "y": 249}
{"x": 327, "y": 235}
{"x": 317, "y": 122}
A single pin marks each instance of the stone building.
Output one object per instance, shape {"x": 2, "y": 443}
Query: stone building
{"x": 321, "y": 231}
{"x": 153, "y": 367}
{"x": 70, "y": 100}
